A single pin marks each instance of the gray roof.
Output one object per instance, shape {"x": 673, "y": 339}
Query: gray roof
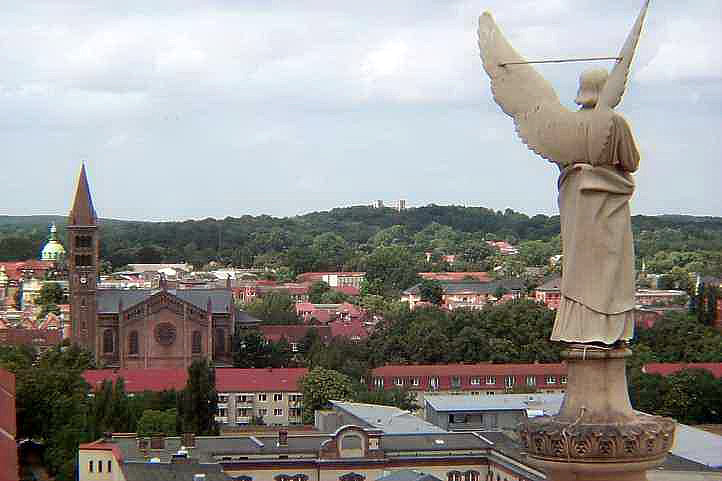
{"x": 108, "y": 299}
{"x": 389, "y": 419}
{"x": 143, "y": 471}
{"x": 457, "y": 441}
{"x": 476, "y": 287}
{"x": 408, "y": 475}
{"x": 547, "y": 403}
{"x": 698, "y": 445}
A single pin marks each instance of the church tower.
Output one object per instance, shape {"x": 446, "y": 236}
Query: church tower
{"x": 83, "y": 265}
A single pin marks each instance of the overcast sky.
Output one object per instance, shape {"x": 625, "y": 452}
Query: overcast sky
{"x": 189, "y": 109}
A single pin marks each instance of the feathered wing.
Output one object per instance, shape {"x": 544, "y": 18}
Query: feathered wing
{"x": 542, "y": 122}
{"x": 613, "y": 90}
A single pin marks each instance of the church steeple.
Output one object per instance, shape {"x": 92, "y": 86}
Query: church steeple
{"x": 83, "y": 246}
{"x": 83, "y": 212}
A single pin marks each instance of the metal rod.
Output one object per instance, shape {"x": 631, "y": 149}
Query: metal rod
{"x": 560, "y": 60}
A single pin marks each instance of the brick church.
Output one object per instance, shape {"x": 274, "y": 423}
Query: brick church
{"x": 140, "y": 328}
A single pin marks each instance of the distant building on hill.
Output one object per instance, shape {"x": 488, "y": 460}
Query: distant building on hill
{"x": 334, "y": 279}
{"x": 469, "y": 294}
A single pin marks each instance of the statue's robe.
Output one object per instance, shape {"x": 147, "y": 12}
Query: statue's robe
{"x": 598, "y": 266}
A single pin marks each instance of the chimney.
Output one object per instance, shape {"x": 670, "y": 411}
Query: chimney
{"x": 283, "y": 437}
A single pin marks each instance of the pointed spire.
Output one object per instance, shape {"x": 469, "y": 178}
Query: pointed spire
{"x": 83, "y": 212}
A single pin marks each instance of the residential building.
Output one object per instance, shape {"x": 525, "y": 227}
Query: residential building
{"x": 41, "y": 339}
{"x": 334, "y": 279}
{"x": 469, "y": 294}
{"x": 475, "y": 379}
{"x": 660, "y": 297}
{"x": 668, "y": 368}
{"x": 456, "y": 276}
{"x": 487, "y": 413}
{"x": 8, "y": 428}
{"x": 504, "y": 248}
{"x": 549, "y": 293}
{"x": 244, "y": 395}
{"x": 293, "y": 333}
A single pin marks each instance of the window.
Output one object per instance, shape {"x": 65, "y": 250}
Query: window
{"x": 415, "y": 381}
{"x": 100, "y": 466}
{"x": 551, "y": 380}
{"x": 509, "y": 381}
{"x": 474, "y": 393}
{"x": 458, "y": 418}
{"x": 83, "y": 241}
{"x": 90, "y": 466}
{"x": 490, "y": 393}
{"x": 475, "y": 381}
{"x": 351, "y": 441}
{"x": 294, "y": 347}
{"x": 108, "y": 341}
{"x": 243, "y": 398}
{"x": 531, "y": 380}
{"x": 263, "y": 412}
{"x": 455, "y": 382}
{"x": 278, "y": 412}
{"x": 109, "y": 466}
{"x": 196, "y": 342}
{"x": 278, "y": 397}
{"x": 133, "y": 343}
{"x": 219, "y": 341}
{"x": 379, "y": 382}
{"x": 243, "y": 412}
{"x": 223, "y": 398}
{"x": 294, "y": 412}
{"x": 434, "y": 383}
{"x": 83, "y": 260}
{"x": 563, "y": 379}
{"x": 398, "y": 381}
{"x": 262, "y": 397}
{"x": 490, "y": 380}
{"x": 223, "y": 412}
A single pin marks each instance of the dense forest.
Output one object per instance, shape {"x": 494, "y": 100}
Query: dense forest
{"x": 343, "y": 238}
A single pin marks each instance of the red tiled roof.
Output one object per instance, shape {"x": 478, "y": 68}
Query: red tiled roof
{"x": 14, "y": 269}
{"x": 100, "y": 445}
{"x": 27, "y": 337}
{"x": 258, "y": 380}
{"x": 667, "y": 368}
{"x": 227, "y": 379}
{"x": 292, "y": 333}
{"x": 455, "y": 276}
{"x": 352, "y": 330}
{"x": 348, "y": 290}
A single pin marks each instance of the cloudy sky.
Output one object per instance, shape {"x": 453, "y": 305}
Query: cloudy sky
{"x": 188, "y": 109}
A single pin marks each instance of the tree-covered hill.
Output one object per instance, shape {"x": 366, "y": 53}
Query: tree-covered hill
{"x": 340, "y": 237}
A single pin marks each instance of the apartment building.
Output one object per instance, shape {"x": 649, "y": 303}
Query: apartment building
{"x": 474, "y": 379}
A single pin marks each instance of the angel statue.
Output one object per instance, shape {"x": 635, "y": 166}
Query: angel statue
{"x": 596, "y": 154}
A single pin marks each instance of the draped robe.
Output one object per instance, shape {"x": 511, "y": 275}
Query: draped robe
{"x": 597, "y": 292}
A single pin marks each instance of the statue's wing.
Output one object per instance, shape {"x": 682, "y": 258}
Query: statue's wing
{"x": 542, "y": 122}
{"x": 611, "y": 94}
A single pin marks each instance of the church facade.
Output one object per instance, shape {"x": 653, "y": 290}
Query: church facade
{"x": 140, "y": 328}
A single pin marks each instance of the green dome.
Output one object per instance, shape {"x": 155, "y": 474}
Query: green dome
{"x": 53, "y": 249}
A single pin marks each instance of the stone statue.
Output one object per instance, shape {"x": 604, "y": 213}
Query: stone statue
{"x": 596, "y": 154}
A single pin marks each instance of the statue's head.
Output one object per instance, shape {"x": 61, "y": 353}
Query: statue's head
{"x": 590, "y": 86}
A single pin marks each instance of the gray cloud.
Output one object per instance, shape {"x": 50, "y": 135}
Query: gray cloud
{"x": 193, "y": 109}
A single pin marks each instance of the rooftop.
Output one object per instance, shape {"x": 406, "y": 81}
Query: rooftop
{"x": 546, "y": 403}
{"x": 389, "y": 419}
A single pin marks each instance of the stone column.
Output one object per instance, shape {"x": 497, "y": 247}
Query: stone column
{"x": 597, "y": 436}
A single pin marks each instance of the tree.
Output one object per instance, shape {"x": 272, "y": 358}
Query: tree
{"x": 401, "y": 398}
{"x": 158, "y": 422}
{"x": 431, "y": 291}
{"x": 250, "y": 349}
{"x": 694, "y": 396}
{"x": 51, "y": 293}
{"x": 389, "y": 270}
{"x": 319, "y": 387}
{"x": 274, "y": 308}
{"x": 316, "y": 290}
{"x": 198, "y": 402}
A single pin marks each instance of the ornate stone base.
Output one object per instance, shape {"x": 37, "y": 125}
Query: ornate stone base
{"x": 597, "y": 436}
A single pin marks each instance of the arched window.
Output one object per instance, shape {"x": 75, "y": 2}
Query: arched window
{"x": 108, "y": 341}
{"x": 351, "y": 442}
{"x": 197, "y": 342}
{"x": 133, "y": 342}
{"x": 471, "y": 475}
{"x": 219, "y": 340}
{"x": 454, "y": 476}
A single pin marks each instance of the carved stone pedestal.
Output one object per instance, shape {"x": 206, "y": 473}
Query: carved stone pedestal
{"x": 597, "y": 436}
